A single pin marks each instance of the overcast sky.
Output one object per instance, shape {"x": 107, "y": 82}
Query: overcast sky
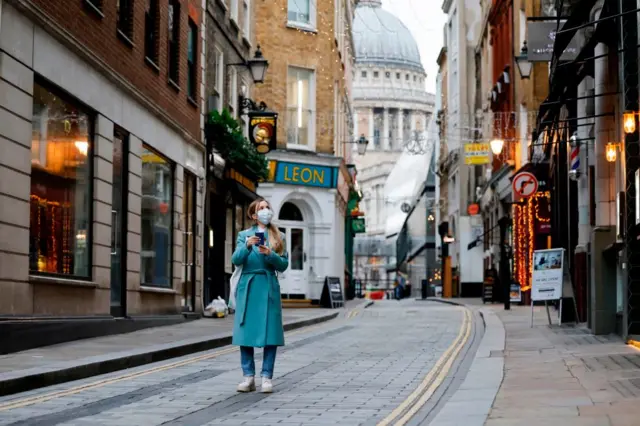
{"x": 425, "y": 20}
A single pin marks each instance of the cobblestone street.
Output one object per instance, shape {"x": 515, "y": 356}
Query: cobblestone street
{"x": 354, "y": 370}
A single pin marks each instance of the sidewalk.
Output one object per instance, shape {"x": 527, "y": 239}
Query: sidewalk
{"x": 64, "y": 362}
{"x": 563, "y": 375}
{"x": 553, "y": 375}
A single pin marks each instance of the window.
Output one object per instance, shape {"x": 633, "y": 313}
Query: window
{"x": 364, "y": 74}
{"x": 219, "y": 79}
{"x": 156, "y": 220}
{"x": 61, "y": 192}
{"x": 301, "y": 12}
{"x": 398, "y": 75}
{"x": 95, "y": 6}
{"x": 376, "y": 74}
{"x": 234, "y": 10}
{"x": 125, "y": 19}
{"x": 243, "y": 118}
{"x": 291, "y": 212}
{"x": 407, "y": 77}
{"x": 415, "y": 78}
{"x": 174, "y": 40}
{"x": 246, "y": 17}
{"x": 192, "y": 54}
{"x": 300, "y": 103}
{"x": 233, "y": 91}
{"x": 152, "y": 31}
{"x": 387, "y": 74}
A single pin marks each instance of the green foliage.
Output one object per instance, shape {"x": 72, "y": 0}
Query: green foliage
{"x": 228, "y": 139}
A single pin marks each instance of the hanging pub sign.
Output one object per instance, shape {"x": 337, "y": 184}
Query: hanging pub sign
{"x": 263, "y": 126}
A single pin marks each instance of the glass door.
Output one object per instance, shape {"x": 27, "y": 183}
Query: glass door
{"x": 189, "y": 243}
{"x": 119, "y": 225}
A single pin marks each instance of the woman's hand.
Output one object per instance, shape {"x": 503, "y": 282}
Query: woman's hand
{"x": 264, "y": 250}
{"x": 252, "y": 241}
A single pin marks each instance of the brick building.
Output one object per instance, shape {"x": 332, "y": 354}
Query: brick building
{"x": 309, "y": 46}
{"x": 101, "y": 157}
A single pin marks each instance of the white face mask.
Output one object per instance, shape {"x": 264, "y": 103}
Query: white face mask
{"x": 265, "y": 215}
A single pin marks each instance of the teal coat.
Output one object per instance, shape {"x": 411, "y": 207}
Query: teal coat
{"x": 258, "y": 317}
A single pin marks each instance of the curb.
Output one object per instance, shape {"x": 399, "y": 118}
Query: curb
{"x": 30, "y": 379}
{"x": 446, "y": 301}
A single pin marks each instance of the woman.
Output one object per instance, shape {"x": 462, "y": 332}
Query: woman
{"x": 258, "y": 317}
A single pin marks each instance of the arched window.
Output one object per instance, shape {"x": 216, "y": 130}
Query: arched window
{"x": 290, "y": 211}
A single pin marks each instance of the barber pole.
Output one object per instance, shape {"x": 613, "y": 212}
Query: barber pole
{"x": 574, "y": 158}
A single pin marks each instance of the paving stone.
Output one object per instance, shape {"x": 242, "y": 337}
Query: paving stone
{"x": 345, "y": 372}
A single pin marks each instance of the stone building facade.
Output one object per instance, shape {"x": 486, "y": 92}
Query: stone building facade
{"x": 392, "y": 109}
{"x": 101, "y": 158}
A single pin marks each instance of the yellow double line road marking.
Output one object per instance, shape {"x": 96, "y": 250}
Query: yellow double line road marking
{"x": 354, "y": 313}
{"x": 53, "y": 395}
{"x": 432, "y": 380}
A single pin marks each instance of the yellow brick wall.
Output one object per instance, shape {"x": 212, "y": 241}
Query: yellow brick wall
{"x": 283, "y": 47}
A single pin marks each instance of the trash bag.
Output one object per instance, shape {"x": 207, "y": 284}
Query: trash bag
{"x": 217, "y": 308}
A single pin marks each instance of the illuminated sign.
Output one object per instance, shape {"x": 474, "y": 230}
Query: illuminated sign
{"x": 303, "y": 174}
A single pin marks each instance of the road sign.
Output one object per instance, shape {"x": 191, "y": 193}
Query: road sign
{"x": 524, "y": 185}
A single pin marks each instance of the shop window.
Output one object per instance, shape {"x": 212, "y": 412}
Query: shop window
{"x": 61, "y": 190}
{"x": 239, "y": 218}
{"x": 152, "y": 31}
{"x": 125, "y": 19}
{"x": 157, "y": 218}
{"x": 192, "y": 54}
{"x": 174, "y": 41}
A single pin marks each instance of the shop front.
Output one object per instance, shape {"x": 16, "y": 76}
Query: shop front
{"x": 97, "y": 203}
{"x": 310, "y": 210}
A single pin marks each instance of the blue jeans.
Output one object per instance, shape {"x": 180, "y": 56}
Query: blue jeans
{"x": 247, "y": 360}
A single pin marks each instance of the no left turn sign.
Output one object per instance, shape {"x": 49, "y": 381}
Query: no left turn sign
{"x": 524, "y": 185}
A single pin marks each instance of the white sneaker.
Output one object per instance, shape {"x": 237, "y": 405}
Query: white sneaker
{"x": 247, "y": 385}
{"x": 267, "y": 385}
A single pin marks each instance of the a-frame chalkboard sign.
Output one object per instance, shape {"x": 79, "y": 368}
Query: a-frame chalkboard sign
{"x": 332, "y": 296}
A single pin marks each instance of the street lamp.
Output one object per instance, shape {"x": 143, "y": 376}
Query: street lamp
{"x": 629, "y": 122}
{"x": 258, "y": 66}
{"x": 361, "y": 143}
{"x": 611, "y": 152}
{"x": 496, "y": 146}
{"x": 523, "y": 62}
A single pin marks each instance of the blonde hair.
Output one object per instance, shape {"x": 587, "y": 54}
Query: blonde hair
{"x": 275, "y": 240}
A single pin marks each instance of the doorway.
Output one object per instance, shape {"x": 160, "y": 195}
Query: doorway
{"x": 189, "y": 242}
{"x": 293, "y": 282}
{"x": 119, "y": 192}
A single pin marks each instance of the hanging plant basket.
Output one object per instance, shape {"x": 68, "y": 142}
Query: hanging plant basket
{"x": 226, "y": 134}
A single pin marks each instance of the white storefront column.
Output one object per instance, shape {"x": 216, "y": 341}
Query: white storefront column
{"x": 386, "y": 143}
{"x": 400, "y": 121}
{"x": 605, "y": 82}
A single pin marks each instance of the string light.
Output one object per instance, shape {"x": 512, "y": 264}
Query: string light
{"x": 525, "y": 219}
